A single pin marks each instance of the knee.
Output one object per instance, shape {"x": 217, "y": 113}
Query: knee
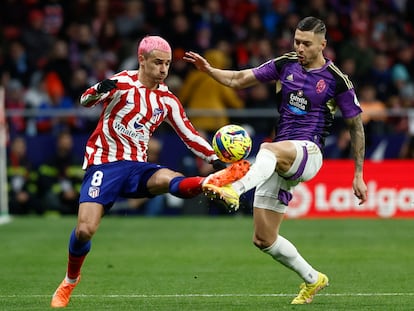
{"x": 262, "y": 242}
{"x": 267, "y": 146}
{"x": 162, "y": 180}
{"x": 85, "y": 232}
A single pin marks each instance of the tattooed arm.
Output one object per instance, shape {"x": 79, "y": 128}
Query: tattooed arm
{"x": 356, "y": 130}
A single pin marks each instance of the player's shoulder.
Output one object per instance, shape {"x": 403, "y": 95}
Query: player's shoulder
{"x": 166, "y": 93}
{"x": 343, "y": 83}
{"x": 162, "y": 87}
{"x": 128, "y": 75}
{"x": 285, "y": 59}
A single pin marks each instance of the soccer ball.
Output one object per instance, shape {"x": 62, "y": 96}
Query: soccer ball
{"x": 232, "y": 143}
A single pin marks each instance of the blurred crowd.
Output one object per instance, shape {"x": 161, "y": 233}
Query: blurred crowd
{"x": 52, "y": 50}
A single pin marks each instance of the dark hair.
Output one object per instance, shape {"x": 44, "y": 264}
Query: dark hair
{"x": 313, "y": 24}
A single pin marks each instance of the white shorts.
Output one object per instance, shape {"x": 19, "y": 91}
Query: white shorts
{"x": 276, "y": 192}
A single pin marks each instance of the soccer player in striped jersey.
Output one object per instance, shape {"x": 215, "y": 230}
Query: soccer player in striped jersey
{"x": 310, "y": 89}
{"x": 135, "y": 103}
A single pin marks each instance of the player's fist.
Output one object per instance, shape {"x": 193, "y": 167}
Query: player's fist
{"x": 106, "y": 85}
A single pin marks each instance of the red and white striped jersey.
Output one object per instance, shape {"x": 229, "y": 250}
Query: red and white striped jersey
{"x": 131, "y": 113}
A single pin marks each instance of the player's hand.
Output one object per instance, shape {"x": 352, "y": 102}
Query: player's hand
{"x": 106, "y": 85}
{"x": 197, "y": 60}
{"x": 360, "y": 189}
{"x": 218, "y": 165}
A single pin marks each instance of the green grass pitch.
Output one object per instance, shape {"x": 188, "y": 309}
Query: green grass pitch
{"x": 207, "y": 263}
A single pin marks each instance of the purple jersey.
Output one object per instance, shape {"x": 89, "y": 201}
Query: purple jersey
{"x": 309, "y": 99}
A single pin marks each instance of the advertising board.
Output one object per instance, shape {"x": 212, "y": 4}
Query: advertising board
{"x": 329, "y": 194}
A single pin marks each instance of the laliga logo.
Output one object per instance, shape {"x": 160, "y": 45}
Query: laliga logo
{"x": 384, "y": 201}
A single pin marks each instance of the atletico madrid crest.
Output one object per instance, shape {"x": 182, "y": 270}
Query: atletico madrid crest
{"x": 93, "y": 192}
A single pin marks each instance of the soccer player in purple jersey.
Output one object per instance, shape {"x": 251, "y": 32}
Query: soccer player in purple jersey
{"x": 311, "y": 89}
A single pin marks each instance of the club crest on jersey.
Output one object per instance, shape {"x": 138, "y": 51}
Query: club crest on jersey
{"x": 298, "y": 103}
{"x": 156, "y": 115}
{"x": 320, "y": 86}
{"x": 93, "y": 192}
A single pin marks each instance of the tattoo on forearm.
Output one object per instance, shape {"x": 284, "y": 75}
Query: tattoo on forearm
{"x": 358, "y": 141}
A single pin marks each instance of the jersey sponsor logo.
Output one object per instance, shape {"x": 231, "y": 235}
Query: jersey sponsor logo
{"x": 137, "y": 125}
{"x": 138, "y": 131}
{"x": 298, "y": 103}
{"x": 93, "y": 192}
{"x": 320, "y": 86}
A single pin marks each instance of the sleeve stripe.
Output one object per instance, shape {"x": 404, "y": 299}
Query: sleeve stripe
{"x": 343, "y": 76}
{"x": 290, "y": 55}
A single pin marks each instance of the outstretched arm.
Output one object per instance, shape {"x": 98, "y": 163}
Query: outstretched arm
{"x": 94, "y": 94}
{"x": 237, "y": 79}
{"x": 356, "y": 129}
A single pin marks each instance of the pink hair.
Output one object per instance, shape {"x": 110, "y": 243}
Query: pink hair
{"x": 150, "y": 43}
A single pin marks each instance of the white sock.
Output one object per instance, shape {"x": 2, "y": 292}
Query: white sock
{"x": 71, "y": 281}
{"x": 263, "y": 167}
{"x": 287, "y": 254}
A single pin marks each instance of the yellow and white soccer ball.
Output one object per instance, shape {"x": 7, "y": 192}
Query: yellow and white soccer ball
{"x": 232, "y": 143}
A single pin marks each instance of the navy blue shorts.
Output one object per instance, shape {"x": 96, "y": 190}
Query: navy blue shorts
{"x": 105, "y": 183}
